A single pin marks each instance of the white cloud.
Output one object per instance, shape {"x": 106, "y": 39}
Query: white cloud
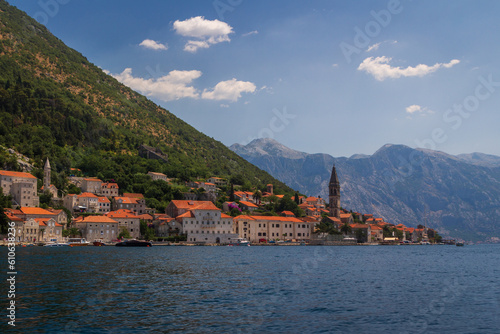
{"x": 373, "y": 47}
{"x": 153, "y": 45}
{"x": 415, "y": 108}
{"x": 380, "y": 69}
{"x": 206, "y": 32}
{"x": 224, "y": 105}
{"x": 229, "y": 90}
{"x": 255, "y": 32}
{"x": 173, "y": 86}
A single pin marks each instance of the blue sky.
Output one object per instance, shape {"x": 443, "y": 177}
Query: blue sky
{"x": 337, "y": 77}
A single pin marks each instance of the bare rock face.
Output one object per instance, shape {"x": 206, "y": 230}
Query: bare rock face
{"x": 457, "y": 195}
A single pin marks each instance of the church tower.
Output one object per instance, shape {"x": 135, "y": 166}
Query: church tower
{"x": 46, "y": 175}
{"x": 334, "y": 194}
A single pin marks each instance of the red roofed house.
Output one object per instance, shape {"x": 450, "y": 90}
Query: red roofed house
{"x": 256, "y": 228}
{"x": 377, "y": 233}
{"x": 127, "y": 219}
{"x": 205, "y": 223}
{"x": 346, "y": 218}
{"x": 135, "y": 204}
{"x": 248, "y": 206}
{"x": 88, "y": 202}
{"x": 158, "y": 176}
{"x": 97, "y": 228}
{"x": 18, "y": 225}
{"x": 49, "y": 230}
{"x": 178, "y": 207}
{"x": 109, "y": 189}
{"x": 22, "y": 187}
{"x": 104, "y": 204}
{"x": 288, "y": 214}
{"x": 362, "y": 232}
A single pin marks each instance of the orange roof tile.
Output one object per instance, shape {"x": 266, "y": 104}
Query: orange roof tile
{"x": 17, "y": 174}
{"x": 13, "y": 218}
{"x": 345, "y": 215}
{"x": 103, "y": 200}
{"x": 249, "y": 204}
{"x": 376, "y": 227}
{"x": 99, "y": 219}
{"x": 188, "y": 214}
{"x": 36, "y": 211}
{"x": 184, "y": 204}
{"x": 87, "y": 195}
{"x": 356, "y": 225}
{"x": 90, "y": 179}
{"x": 121, "y": 214}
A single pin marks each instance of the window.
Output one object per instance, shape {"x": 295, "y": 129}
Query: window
{"x": 277, "y": 225}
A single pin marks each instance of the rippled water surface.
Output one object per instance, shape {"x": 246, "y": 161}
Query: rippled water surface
{"x": 379, "y": 289}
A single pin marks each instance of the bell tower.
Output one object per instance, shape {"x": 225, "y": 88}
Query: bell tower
{"x": 334, "y": 194}
{"x": 46, "y": 175}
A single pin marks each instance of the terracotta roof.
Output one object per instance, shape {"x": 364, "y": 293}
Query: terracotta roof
{"x": 43, "y": 221}
{"x": 13, "y": 218}
{"x": 122, "y": 214}
{"x": 345, "y": 215}
{"x": 188, "y": 214}
{"x": 288, "y": 213}
{"x": 356, "y": 225}
{"x": 159, "y": 174}
{"x": 87, "y": 195}
{"x": 36, "y": 211}
{"x": 93, "y": 180}
{"x": 103, "y": 200}
{"x": 183, "y": 204}
{"x": 127, "y": 200}
{"x": 311, "y": 199}
{"x": 206, "y": 206}
{"x": 17, "y": 174}
{"x": 249, "y": 204}
{"x": 376, "y": 227}
{"x": 98, "y": 219}
{"x": 223, "y": 215}
{"x": 109, "y": 185}
{"x": 334, "y": 219}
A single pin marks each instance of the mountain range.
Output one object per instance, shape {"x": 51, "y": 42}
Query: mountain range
{"x": 457, "y": 195}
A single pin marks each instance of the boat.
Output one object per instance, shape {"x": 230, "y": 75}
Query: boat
{"x": 78, "y": 242}
{"x": 460, "y": 244}
{"x": 134, "y": 243}
{"x": 98, "y": 243}
{"x": 240, "y": 242}
{"x": 56, "y": 244}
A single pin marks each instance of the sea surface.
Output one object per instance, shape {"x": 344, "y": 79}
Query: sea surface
{"x": 280, "y": 289}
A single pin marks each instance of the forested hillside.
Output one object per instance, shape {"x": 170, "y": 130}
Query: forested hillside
{"x": 54, "y": 103}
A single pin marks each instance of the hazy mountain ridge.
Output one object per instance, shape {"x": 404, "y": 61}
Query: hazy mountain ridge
{"x": 400, "y": 184}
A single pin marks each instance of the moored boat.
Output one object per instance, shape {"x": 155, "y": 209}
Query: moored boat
{"x": 134, "y": 243}
{"x": 240, "y": 242}
{"x": 56, "y": 244}
{"x": 460, "y": 244}
{"x": 78, "y": 242}
{"x": 98, "y": 243}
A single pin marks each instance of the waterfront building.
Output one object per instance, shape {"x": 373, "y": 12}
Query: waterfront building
{"x": 267, "y": 228}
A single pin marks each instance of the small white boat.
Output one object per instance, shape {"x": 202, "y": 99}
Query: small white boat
{"x": 240, "y": 242}
{"x": 78, "y": 242}
{"x": 56, "y": 244}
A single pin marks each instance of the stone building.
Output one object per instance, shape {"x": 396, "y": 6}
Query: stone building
{"x": 21, "y": 186}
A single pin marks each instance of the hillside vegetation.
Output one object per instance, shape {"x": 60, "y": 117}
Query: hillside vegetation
{"x": 54, "y": 103}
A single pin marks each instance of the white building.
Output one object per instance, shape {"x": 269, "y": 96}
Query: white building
{"x": 206, "y": 223}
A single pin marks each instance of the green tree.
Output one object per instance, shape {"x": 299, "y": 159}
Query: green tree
{"x": 71, "y": 232}
{"x": 124, "y": 233}
{"x": 4, "y": 221}
{"x": 346, "y": 228}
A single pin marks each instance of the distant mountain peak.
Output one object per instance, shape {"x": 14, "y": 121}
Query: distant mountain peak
{"x": 267, "y": 146}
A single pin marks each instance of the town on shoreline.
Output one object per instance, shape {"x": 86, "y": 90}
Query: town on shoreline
{"x": 99, "y": 212}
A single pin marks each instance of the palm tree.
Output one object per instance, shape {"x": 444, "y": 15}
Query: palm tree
{"x": 346, "y": 228}
{"x": 257, "y": 196}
